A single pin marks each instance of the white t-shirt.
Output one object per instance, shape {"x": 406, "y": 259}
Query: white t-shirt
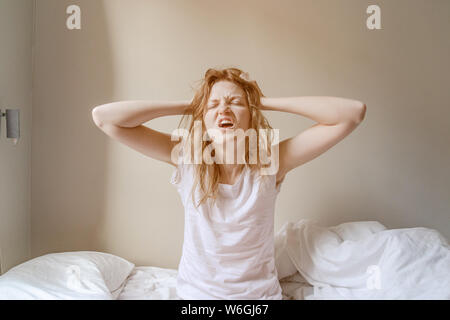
{"x": 228, "y": 249}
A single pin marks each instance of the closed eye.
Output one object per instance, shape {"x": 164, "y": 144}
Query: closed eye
{"x": 235, "y": 101}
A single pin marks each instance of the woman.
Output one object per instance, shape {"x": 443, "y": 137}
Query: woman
{"x": 228, "y": 250}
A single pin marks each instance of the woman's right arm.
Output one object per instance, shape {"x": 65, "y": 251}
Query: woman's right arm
{"x": 124, "y": 120}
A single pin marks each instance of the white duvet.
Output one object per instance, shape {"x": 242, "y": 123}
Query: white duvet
{"x": 363, "y": 260}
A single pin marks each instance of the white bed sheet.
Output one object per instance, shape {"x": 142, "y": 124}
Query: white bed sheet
{"x": 150, "y": 283}
{"x": 154, "y": 283}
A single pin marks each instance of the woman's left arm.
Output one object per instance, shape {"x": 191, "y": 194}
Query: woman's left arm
{"x": 324, "y": 110}
{"x": 336, "y": 118}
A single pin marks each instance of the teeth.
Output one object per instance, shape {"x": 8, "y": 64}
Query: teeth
{"x": 225, "y": 122}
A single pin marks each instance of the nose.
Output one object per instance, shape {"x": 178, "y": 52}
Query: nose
{"x": 223, "y": 107}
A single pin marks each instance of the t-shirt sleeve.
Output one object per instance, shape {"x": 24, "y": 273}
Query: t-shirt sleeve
{"x": 178, "y": 173}
{"x": 181, "y": 178}
{"x": 278, "y": 186}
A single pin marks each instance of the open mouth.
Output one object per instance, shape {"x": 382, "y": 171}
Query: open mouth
{"x": 226, "y": 124}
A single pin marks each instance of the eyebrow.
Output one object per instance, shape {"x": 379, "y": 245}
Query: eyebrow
{"x": 233, "y": 97}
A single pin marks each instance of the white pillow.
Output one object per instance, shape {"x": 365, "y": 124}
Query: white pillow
{"x": 66, "y": 275}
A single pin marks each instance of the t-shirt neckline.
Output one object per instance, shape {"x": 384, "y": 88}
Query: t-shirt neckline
{"x": 232, "y": 186}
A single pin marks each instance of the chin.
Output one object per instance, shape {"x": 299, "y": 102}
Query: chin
{"x": 226, "y": 129}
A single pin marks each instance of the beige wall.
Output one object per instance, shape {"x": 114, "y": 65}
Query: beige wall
{"x": 92, "y": 193}
{"x": 16, "y": 27}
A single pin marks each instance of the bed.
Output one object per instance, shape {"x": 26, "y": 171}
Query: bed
{"x": 354, "y": 260}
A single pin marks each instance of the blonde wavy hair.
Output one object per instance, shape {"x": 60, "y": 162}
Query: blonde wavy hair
{"x": 207, "y": 175}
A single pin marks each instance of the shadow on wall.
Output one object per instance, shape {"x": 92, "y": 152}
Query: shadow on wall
{"x": 73, "y": 74}
{"x": 16, "y": 25}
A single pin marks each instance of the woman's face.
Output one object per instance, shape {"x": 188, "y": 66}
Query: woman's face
{"x": 227, "y": 108}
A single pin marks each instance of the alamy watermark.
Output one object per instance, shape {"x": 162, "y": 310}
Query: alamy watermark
{"x": 374, "y": 20}
{"x": 74, "y": 277}
{"x": 224, "y": 147}
{"x": 74, "y": 20}
{"x": 374, "y": 280}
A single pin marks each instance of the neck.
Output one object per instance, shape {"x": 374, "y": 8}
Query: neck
{"x": 230, "y": 172}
